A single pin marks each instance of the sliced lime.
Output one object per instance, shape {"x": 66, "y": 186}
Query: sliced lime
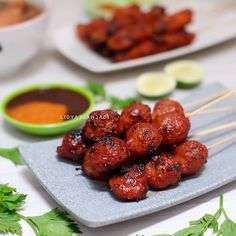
{"x": 94, "y": 9}
{"x": 187, "y": 73}
{"x": 155, "y": 85}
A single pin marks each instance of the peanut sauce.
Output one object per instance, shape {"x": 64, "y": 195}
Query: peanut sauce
{"x": 47, "y": 106}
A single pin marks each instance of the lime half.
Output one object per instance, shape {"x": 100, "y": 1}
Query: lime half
{"x": 94, "y": 8}
{"x": 155, "y": 85}
{"x": 187, "y": 73}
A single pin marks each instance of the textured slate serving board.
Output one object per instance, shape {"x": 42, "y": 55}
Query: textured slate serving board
{"x": 92, "y": 204}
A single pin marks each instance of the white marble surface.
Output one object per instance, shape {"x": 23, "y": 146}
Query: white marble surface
{"x": 49, "y": 66}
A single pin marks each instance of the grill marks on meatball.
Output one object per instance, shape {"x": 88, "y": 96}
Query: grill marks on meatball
{"x": 134, "y": 113}
{"x": 166, "y": 106}
{"x": 143, "y": 140}
{"x": 131, "y": 185}
{"x": 73, "y": 146}
{"x": 163, "y": 171}
{"x": 192, "y": 156}
{"x": 108, "y": 154}
{"x": 173, "y": 127}
{"x": 102, "y": 123}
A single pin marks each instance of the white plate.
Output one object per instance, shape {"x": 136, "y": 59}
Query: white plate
{"x": 214, "y": 23}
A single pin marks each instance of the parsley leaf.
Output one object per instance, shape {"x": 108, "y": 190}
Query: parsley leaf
{"x": 196, "y": 230}
{"x": 54, "y": 223}
{"x": 228, "y": 228}
{"x": 9, "y": 223}
{"x": 209, "y": 220}
{"x": 98, "y": 90}
{"x": 118, "y": 103}
{"x": 11, "y": 154}
{"x": 9, "y": 199}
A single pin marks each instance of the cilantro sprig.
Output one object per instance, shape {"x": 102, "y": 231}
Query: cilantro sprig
{"x": 12, "y": 154}
{"x": 209, "y": 222}
{"x": 101, "y": 95}
{"x": 53, "y": 223}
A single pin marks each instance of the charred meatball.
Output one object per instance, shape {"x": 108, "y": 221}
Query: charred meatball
{"x": 102, "y": 123}
{"x": 131, "y": 185}
{"x": 173, "y": 127}
{"x": 166, "y": 106}
{"x": 192, "y": 155}
{"x": 91, "y": 172}
{"x": 134, "y": 113}
{"x": 73, "y": 146}
{"x": 143, "y": 140}
{"x": 108, "y": 154}
{"x": 162, "y": 171}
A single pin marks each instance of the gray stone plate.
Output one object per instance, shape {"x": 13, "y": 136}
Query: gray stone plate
{"x": 93, "y": 205}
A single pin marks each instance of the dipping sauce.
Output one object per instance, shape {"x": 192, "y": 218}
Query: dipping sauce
{"x": 47, "y": 106}
{"x": 17, "y": 11}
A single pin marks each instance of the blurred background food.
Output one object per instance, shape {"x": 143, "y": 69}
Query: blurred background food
{"x": 22, "y": 27}
{"x": 17, "y": 11}
{"x": 132, "y": 33}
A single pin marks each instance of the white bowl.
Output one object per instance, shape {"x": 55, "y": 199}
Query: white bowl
{"x": 20, "y": 42}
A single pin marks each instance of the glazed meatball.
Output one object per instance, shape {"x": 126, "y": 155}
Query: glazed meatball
{"x": 173, "y": 127}
{"x": 102, "y": 123}
{"x": 143, "y": 140}
{"x": 131, "y": 185}
{"x": 166, "y": 106}
{"x": 192, "y": 155}
{"x": 108, "y": 154}
{"x": 73, "y": 146}
{"x": 162, "y": 171}
{"x": 90, "y": 171}
{"x": 134, "y": 113}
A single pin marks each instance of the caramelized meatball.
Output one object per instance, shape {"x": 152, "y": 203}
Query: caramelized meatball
{"x": 134, "y": 113}
{"x": 131, "y": 185}
{"x": 192, "y": 155}
{"x": 73, "y": 146}
{"x": 102, "y": 123}
{"x": 108, "y": 154}
{"x": 143, "y": 140}
{"x": 90, "y": 171}
{"x": 162, "y": 171}
{"x": 173, "y": 127}
{"x": 166, "y": 106}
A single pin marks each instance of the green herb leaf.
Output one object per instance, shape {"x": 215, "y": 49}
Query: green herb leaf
{"x": 12, "y": 154}
{"x": 207, "y": 220}
{"x": 9, "y": 199}
{"x": 98, "y": 89}
{"x": 196, "y": 230}
{"x": 9, "y": 223}
{"x": 118, "y": 103}
{"x": 55, "y": 223}
{"x": 228, "y": 228}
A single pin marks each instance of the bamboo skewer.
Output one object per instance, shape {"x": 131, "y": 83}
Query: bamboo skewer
{"x": 214, "y": 130}
{"x": 218, "y": 109}
{"x": 224, "y": 140}
{"x": 221, "y": 98}
{"x": 206, "y": 99}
